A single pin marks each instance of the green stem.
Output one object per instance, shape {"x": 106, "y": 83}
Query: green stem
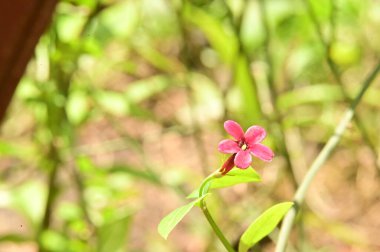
{"x": 319, "y": 161}
{"x": 326, "y": 43}
{"x": 279, "y": 129}
{"x": 207, "y": 214}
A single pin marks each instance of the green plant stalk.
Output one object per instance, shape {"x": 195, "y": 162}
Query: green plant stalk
{"x": 241, "y": 64}
{"x": 319, "y": 161}
{"x": 208, "y": 216}
{"x": 280, "y": 130}
{"x": 197, "y": 132}
{"x": 326, "y": 43}
{"x": 188, "y": 64}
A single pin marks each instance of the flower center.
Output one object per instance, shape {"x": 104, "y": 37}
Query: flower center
{"x": 244, "y": 147}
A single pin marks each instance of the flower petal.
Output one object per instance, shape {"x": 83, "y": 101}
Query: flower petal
{"x": 243, "y": 159}
{"x": 254, "y": 134}
{"x": 234, "y": 129}
{"x": 261, "y": 151}
{"x": 228, "y": 146}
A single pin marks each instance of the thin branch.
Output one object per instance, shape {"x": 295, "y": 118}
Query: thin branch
{"x": 327, "y": 43}
{"x": 214, "y": 226}
{"x": 207, "y": 214}
{"x": 280, "y": 135}
{"x": 242, "y": 57}
{"x": 197, "y": 129}
{"x": 63, "y": 81}
{"x": 320, "y": 160}
{"x": 189, "y": 65}
{"x": 55, "y": 162}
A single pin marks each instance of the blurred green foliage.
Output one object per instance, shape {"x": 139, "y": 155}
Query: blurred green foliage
{"x": 121, "y": 109}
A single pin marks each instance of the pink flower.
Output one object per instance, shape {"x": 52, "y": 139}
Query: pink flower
{"x": 243, "y": 146}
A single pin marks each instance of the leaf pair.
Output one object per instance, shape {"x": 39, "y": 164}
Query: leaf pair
{"x": 234, "y": 177}
{"x": 259, "y": 228}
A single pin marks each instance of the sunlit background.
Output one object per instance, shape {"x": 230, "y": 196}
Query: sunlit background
{"x": 119, "y": 115}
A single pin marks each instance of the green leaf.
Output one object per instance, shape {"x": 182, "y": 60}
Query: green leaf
{"x": 136, "y": 172}
{"x": 112, "y": 236}
{"x": 14, "y": 238}
{"x": 247, "y": 89}
{"x": 318, "y": 93}
{"x": 168, "y": 223}
{"x": 112, "y": 19}
{"x": 69, "y": 26}
{"x": 112, "y": 102}
{"x": 11, "y": 149}
{"x": 233, "y": 177}
{"x": 144, "y": 89}
{"x": 30, "y": 191}
{"x": 263, "y": 225}
{"x": 220, "y": 37}
{"x": 77, "y": 107}
{"x": 158, "y": 59}
{"x": 345, "y": 54}
{"x": 53, "y": 241}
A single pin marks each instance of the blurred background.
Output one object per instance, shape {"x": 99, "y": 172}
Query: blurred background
{"x": 119, "y": 113}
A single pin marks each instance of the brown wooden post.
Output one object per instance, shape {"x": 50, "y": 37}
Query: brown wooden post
{"x": 22, "y": 22}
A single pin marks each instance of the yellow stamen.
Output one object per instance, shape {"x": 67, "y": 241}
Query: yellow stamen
{"x": 244, "y": 147}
